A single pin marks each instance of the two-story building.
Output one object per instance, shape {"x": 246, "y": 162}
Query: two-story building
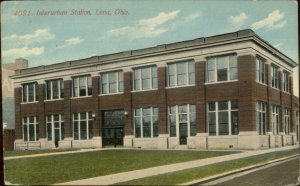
{"x": 230, "y": 91}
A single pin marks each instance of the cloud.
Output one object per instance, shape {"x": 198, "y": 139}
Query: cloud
{"x": 273, "y": 21}
{"x": 71, "y": 41}
{"x": 37, "y": 36}
{"x": 192, "y": 17}
{"x": 145, "y": 28}
{"x": 238, "y": 21}
{"x": 22, "y": 52}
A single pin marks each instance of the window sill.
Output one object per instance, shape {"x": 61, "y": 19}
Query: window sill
{"x": 148, "y": 138}
{"x": 230, "y": 81}
{"x": 181, "y": 86}
{"x": 286, "y": 92}
{"x": 134, "y": 91}
{"x": 261, "y": 83}
{"x": 81, "y": 97}
{"x": 111, "y": 94}
{"x": 275, "y": 88}
{"x": 223, "y": 136}
{"x": 49, "y": 100}
{"x": 24, "y": 103}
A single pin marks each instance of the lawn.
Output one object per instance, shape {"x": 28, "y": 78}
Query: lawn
{"x": 62, "y": 168}
{"x": 29, "y": 152}
{"x": 188, "y": 175}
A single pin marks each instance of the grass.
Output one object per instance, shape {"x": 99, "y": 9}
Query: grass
{"x": 188, "y": 175}
{"x": 29, "y": 152}
{"x": 68, "y": 167}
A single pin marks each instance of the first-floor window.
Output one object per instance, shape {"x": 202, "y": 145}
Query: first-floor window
{"x": 146, "y": 122}
{"x": 261, "y": 117}
{"x": 55, "y": 127}
{"x": 275, "y": 119}
{"x": 30, "y": 128}
{"x": 82, "y": 126}
{"x": 182, "y": 114}
{"x": 286, "y": 120}
{"x": 222, "y": 118}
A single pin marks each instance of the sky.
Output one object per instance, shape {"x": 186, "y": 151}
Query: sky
{"x": 81, "y": 29}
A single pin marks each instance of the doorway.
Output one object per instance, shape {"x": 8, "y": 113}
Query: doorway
{"x": 183, "y": 133}
{"x": 113, "y": 128}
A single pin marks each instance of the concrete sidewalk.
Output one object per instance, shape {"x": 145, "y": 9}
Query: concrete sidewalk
{"x": 136, "y": 174}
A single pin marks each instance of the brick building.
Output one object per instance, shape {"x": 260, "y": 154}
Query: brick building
{"x": 230, "y": 91}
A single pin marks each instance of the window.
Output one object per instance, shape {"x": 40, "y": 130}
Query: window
{"x": 275, "y": 119}
{"x": 82, "y": 126}
{"x": 222, "y": 118}
{"x": 82, "y": 86}
{"x": 260, "y": 70}
{"x": 181, "y": 74}
{"x": 55, "y": 127}
{"x": 54, "y": 89}
{"x": 146, "y": 122}
{"x": 261, "y": 117}
{"x": 182, "y": 114}
{"x": 112, "y": 82}
{"x": 30, "y": 92}
{"x": 274, "y": 77}
{"x": 286, "y": 121}
{"x": 286, "y": 82}
{"x": 221, "y": 68}
{"x": 30, "y": 128}
{"x": 145, "y": 78}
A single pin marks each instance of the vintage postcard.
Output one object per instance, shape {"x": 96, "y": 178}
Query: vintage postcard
{"x": 150, "y": 92}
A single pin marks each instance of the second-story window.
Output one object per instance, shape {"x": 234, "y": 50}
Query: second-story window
{"x": 221, "y": 68}
{"x": 181, "y": 74}
{"x": 112, "y": 82}
{"x": 274, "y": 77}
{"x": 29, "y": 92}
{"x": 54, "y": 89}
{"x": 82, "y": 86}
{"x": 260, "y": 70}
{"x": 286, "y": 82}
{"x": 145, "y": 78}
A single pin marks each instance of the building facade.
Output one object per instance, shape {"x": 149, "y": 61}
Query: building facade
{"x": 230, "y": 91}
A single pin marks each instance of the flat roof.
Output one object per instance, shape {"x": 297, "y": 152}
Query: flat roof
{"x": 163, "y": 48}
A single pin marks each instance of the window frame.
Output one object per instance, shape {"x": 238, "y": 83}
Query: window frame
{"x": 52, "y": 123}
{"x": 177, "y": 121}
{"x": 287, "y": 120}
{"x": 189, "y": 82}
{"x": 275, "y": 112}
{"x": 118, "y": 82}
{"x": 260, "y": 73}
{"x": 27, "y": 124}
{"x": 87, "y": 86}
{"x": 79, "y": 120}
{"x": 60, "y": 89}
{"x": 150, "y": 79}
{"x": 286, "y": 82}
{"x": 274, "y": 76}
{"x": 229, "y": 68}
{"x": 141, "y": 116}
{"x": 216, "y": 112}
{"x": 26, "y": 92}
{"x": 261, "y": 112}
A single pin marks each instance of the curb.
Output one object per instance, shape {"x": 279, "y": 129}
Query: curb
{"x": 215, "y": 177}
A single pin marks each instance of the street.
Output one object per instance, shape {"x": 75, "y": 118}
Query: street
{"x": 283, "y": 173}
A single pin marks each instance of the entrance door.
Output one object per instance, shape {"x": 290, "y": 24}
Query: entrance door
{"x": 56, "y": 136}
{"x": 55, "y": 128}
{"x": 113, "y": 128}
{"x": 183, "y": 133}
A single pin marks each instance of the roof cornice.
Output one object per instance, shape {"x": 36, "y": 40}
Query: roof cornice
{"x": 217, "y": 40}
